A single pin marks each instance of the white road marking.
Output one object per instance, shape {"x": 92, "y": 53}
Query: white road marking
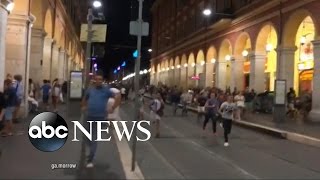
{"x": 125, "y": 157}
{"x": 246, "y": 173}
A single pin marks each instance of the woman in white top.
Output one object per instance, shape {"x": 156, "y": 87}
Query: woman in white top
{"x": 113, "y": 116}
{"x": 239, "y": 100}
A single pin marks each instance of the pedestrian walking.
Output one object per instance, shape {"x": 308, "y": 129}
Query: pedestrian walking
{"x": 45, "y": 89}
{"x": 157, "y": 106}
{"x": 123, "y": 93}
{"x": 201, "y": 100}
{"x": 227, "y": 111}
{"x": 95, "y": 104}
{"x": 2, "y": 109}
{"x": 113, "y": 115}
{"x": 239, "y": 100}
{"x": 211, "y": 109}
{"x": 19, "y": 90}
{"x": 10, "y": 104}
{"x": 56, "y": 91}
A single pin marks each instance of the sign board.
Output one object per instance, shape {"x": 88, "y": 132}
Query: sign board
{"x": 280, "y": 92}
{"x": 99, "y": 33}
{"x": 76, "y": 82}
{"x": 134, "y": 28}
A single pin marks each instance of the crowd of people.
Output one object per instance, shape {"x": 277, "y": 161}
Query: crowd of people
{"x": 14, "y": 93}
{"x": 217, "y": 105}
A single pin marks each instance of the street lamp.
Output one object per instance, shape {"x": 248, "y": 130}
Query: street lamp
{"x": 97, "y": 4}
{"x": 207, "y": 12}
{"x": 7, "y": 4}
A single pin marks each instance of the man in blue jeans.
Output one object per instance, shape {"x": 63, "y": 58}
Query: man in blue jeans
{"x": 95, "y": 102}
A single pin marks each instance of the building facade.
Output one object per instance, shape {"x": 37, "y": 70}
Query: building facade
{"x": 39, "y": 39}
{"x": 243, "y": 43}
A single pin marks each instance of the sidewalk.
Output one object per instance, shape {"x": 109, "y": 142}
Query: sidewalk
{"x": 305, "y": 133}
{"x": 20, "y": 160}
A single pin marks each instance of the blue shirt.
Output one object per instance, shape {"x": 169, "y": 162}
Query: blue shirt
{"x": 18, "y": 86}
{"x": 46, "y": 89}
{"x": 10, "y": 97}
{"x": 97, "y": 99}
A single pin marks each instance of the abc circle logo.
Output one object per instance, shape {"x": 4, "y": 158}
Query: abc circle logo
{"x": 48, "y": 132}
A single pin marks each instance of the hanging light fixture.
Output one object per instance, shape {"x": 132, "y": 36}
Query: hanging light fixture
{"x": 193, "y": 64}
{"x": 213, "y": 61}
{"x": 245, "y": 53}
{"x": 269, "y": 47}
{"x": 185, "y": 65}
{"x": 228, "y": 57}
{"x": 178, "y": 67}
{"x": 203, "y": 63}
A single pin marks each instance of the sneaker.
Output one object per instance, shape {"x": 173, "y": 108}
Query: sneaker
{"x": 226, "y": 144}
{"x": 90, "y": 165}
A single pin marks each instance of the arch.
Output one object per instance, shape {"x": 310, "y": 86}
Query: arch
{"x": 292, "y": 25}
{"x": 177, "y": 61}
{"x": 62, "y": 40}
{"x": 243, "y": 42}
{"x": 184, "y": 60}
{"x": 200, "y": 57}
{"x": 267, "y": 35}
{"x": 37, "y": 11}
{"x": 48, "y": 23}
{"x": 191, "y": 59}
{"x": 57, "y": 32}
{"x": 210, "y": 67}
{"x": 171, "y": 63}
{"x": 211, "y": 54}
{"x": 225, "y": 49}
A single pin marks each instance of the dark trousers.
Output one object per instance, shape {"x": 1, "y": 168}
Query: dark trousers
{"x": 227, "y": 126}
{"x": 213, "y": 118}
{"x": 92, "y": 145}
{"x": 175, "y": 107}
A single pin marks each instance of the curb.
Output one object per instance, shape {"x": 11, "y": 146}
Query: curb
{"x": 299, "y": 138}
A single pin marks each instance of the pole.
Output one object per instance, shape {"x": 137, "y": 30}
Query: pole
{"x": 88, "y": 50}
{"x": 136, "y": 84}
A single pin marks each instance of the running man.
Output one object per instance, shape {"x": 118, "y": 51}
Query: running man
{"x": 95, "y": 102}
{"x": 227, "y": 110}
{"x": 211, "y": 109}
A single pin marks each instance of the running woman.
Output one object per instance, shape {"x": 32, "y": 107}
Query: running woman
{"x": 227, "y": 111}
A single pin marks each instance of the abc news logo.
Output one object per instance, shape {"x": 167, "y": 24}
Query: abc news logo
{"x": 48, "y": 132}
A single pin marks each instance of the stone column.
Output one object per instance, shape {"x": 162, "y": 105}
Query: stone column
{"x": 191, "y": 72}
{"x": 237, "y": 76}
{"x": 221, "y": 71}
{"x": 285, "y": 68}
{"x": 61, "y": 65}
{"x": 257, "y": 71}
{"x": 177, "y": 74}
{"x": 209, "y": 75}
{"x": 54, "y": 62}
{"x": 3, "y": 31}
{"x": 315, "y": 113}
{"x": 18, "y": 43}
{"x": 183, "y": 77}
{"x": 36, "y": 56}
{"x": 47, "y": 57}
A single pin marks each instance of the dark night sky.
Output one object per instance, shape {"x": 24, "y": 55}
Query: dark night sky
{"x": 120, "y": 45}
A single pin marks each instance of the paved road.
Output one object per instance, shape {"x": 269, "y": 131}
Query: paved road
{"x": 183, "y": 153}
{"x": 20, "y": 160}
